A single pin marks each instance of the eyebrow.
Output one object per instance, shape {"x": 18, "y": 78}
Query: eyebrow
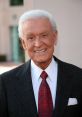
{"x": 31, "y": 33}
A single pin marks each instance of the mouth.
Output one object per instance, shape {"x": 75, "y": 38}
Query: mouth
{"x": 40, "y": 51}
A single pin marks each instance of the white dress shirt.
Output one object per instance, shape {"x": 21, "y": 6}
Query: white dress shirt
{"x": 51, "y": 70}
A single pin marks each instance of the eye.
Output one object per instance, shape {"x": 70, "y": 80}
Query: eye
{"x": 45, "y": 35}
{"x": 30, "y": 37}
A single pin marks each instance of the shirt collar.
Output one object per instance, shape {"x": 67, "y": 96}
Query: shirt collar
{"x": 50, "y": 70}
{"x": 35, "y": 70}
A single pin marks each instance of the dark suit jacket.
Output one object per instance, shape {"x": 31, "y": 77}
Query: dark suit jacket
{"x": 17, "y": 97}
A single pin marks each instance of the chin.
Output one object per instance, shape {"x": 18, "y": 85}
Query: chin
{"x": 42, "y": 60}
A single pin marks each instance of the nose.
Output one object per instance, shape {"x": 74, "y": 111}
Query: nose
{"x": 38, "y": 41}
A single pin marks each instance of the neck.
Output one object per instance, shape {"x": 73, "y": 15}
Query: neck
{"x": 43, "y": 65}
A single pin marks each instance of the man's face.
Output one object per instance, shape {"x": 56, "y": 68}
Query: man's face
{"x": 38, "y": 40}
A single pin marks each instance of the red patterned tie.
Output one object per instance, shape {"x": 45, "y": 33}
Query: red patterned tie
{"x": 45, "y": 104}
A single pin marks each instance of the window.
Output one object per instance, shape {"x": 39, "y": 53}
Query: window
{"x": 17, "y": 53}
{"x": 16, "y": 2}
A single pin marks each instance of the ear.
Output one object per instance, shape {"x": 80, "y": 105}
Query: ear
{"x": 23, "y": 44}
{"x": 55, "y": 34}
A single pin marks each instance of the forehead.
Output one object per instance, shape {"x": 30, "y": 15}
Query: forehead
{"x": 35, "y": 25}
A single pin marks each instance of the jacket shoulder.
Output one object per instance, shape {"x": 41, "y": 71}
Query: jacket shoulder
{"x": 16, "y": 71}
{"x": 65, "y": 66}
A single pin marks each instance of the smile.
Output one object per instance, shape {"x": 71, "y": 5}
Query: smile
{"x": 40, "y": 51}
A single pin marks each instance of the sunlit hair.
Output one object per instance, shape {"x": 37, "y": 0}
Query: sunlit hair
{"x": 35, "y": 14}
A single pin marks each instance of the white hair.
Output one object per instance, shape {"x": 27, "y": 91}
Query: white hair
{"x": 35, "y": 14}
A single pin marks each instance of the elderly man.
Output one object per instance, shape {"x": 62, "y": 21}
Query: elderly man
{"x": 44, "y": 86}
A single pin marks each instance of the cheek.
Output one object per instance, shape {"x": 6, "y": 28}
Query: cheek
{"x": 27, "y": 45}
{"x": 29, "y": 48}
{"x": 51, "y": 43}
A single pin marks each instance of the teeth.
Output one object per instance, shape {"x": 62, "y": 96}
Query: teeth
{"x": 40, "y": 51}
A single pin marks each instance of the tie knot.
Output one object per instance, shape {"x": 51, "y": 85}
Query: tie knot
{"x": 44, "y": 75}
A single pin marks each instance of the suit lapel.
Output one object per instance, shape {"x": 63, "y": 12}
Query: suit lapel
{"x": 63, "y": 90}
{"x": 25, "y": 90}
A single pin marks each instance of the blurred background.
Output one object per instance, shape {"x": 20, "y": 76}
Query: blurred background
{"x": 68, "y": 16}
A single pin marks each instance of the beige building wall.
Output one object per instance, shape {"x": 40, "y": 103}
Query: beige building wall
{"x": 9, "y": 17}
{"x": 68, "y": 16}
